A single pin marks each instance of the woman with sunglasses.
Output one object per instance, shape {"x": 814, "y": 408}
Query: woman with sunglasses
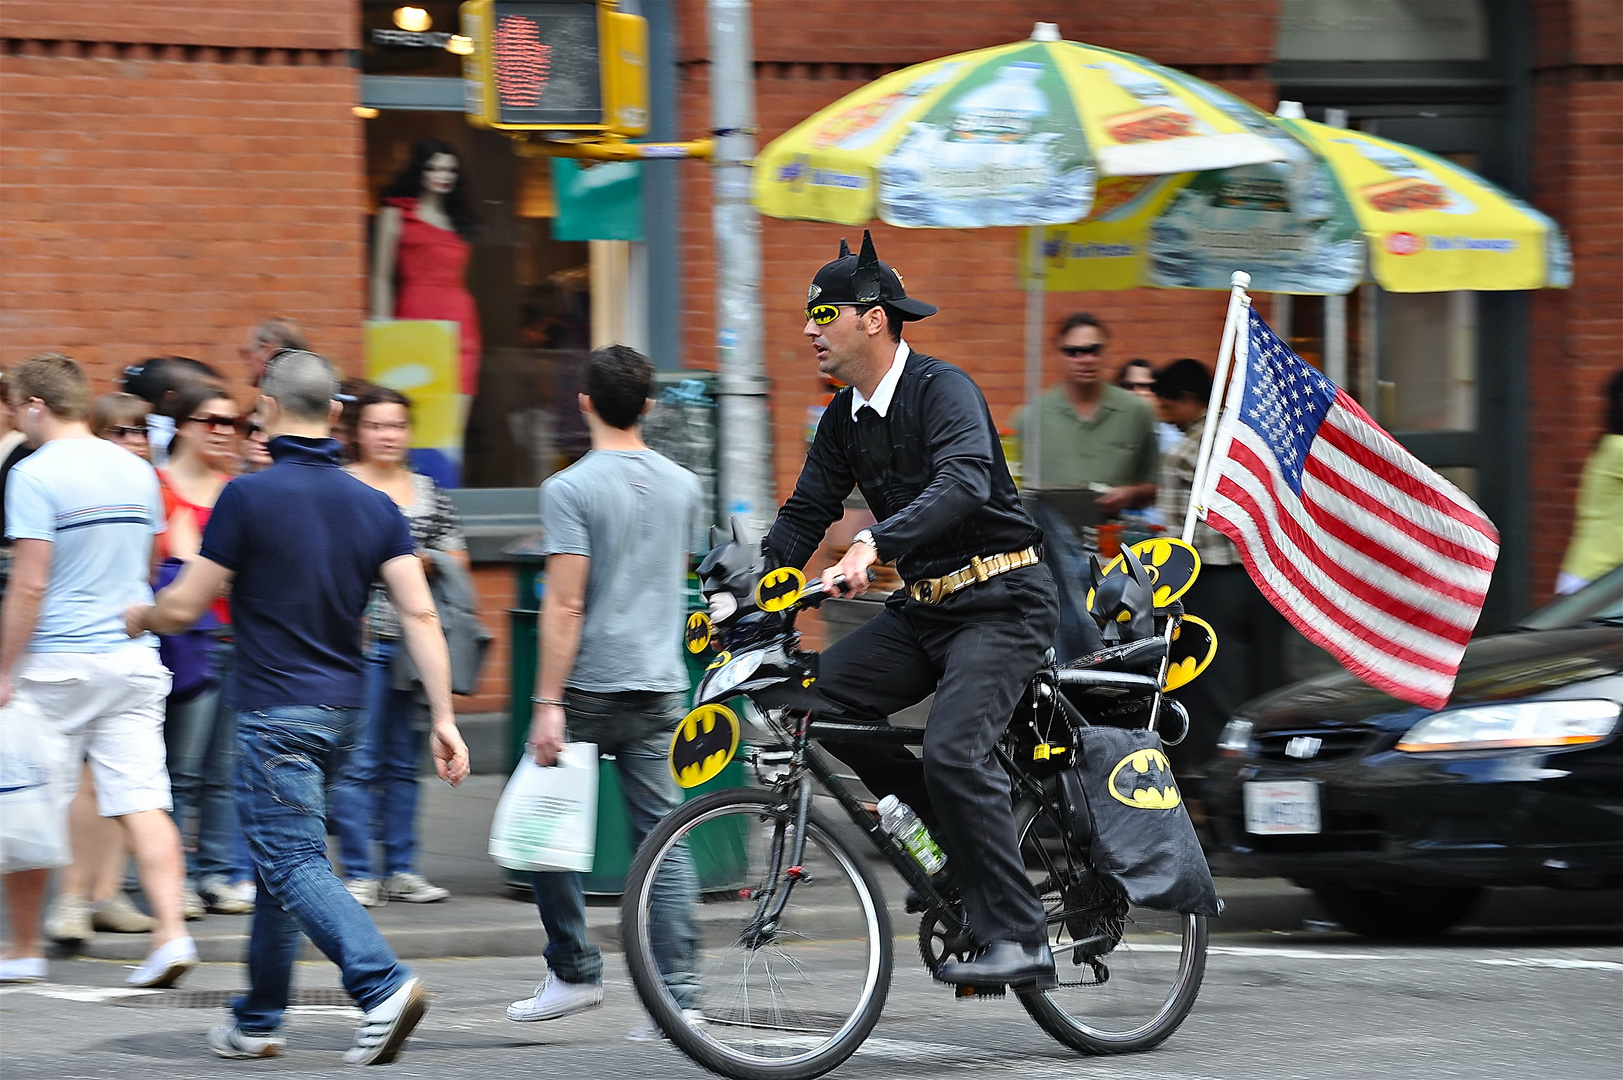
{"x": 376, "y": 795}
{"x": 202, "y": 459}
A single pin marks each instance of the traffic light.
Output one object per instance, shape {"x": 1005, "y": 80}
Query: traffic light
{"x": 555, "y": 65}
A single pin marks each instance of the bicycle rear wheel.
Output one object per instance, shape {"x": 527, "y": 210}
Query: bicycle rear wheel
{"x": 1128, "y": 975}
{"x": 785, "y": 1000}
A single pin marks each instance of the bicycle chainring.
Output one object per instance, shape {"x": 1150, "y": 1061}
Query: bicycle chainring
{"x": 938, "y": 944}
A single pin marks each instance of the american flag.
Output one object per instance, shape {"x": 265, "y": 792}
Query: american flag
{"x": 1369, "y": 553}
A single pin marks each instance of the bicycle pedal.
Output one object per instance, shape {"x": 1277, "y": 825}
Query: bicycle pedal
{"x": 964, "y": 990}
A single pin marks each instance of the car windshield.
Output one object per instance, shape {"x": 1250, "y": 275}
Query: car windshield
{"x": 1599, "y": 601}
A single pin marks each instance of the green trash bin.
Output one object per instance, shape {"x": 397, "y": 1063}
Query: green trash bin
{"x": 721, "y": 865}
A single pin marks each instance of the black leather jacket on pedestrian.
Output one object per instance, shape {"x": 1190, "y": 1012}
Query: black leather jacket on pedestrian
{"x": 931, "y": 468}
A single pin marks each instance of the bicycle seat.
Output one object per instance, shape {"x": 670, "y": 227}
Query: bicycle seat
{"x": 1132, "y": 656}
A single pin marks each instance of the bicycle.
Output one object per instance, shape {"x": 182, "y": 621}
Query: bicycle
{"x": 796, "y": 947}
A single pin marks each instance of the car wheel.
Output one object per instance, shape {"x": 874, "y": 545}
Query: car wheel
{"x": 1397, "y": 912}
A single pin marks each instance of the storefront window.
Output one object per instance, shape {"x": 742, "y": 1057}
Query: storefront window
{"x": 532, "y": 294}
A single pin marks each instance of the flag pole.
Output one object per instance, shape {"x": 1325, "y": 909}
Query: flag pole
{"x": 1239, "y": 302}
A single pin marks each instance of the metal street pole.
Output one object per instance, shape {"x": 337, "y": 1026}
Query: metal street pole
{"x": 745, "y": 427}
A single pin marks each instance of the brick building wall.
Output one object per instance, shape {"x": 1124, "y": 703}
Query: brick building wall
{"x": 1576, "y": 341}
{"x": 174, "y": 171}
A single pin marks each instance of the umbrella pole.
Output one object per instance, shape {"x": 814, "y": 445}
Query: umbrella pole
{"x": 1036, "y": 294}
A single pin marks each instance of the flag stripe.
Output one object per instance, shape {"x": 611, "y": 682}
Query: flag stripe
{"x": 1418, "y": 573}
{"x": 1375, "y": 666}
{"x": 1368, "y": 552}
{"x": 1359, "y": 613}
{"x": 1356, "y": 435}
{"x": 1446, "y": 516}
{"x": 1451, "y": 626}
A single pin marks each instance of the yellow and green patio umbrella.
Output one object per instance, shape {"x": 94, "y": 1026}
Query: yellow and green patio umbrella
{"x": 1016, "y": 134}
{"x": 1342, "y": 208}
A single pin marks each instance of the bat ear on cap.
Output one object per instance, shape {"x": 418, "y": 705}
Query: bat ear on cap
{"x": 865, "y": 278}
{"x": 845, "y": 249}
{"x": 1095, "y": 574}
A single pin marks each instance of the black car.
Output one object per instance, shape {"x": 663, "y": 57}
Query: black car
{"x": 1397, "y": 817}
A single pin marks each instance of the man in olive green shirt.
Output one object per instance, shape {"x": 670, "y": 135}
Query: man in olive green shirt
{"x": 1094, "y": 434}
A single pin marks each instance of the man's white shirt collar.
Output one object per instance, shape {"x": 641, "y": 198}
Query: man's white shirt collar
{"x": 887, "y": 385}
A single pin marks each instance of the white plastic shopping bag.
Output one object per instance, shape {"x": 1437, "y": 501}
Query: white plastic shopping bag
{"x": 33, "y": 816}
{"x": 547, "y": 817}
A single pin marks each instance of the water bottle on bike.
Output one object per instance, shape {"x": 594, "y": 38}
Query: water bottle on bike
{"x": 899, "y": 820}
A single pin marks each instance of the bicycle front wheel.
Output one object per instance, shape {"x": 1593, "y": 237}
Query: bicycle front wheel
{"x": 782, "y": 998}
{"x": 1128, "y": 976}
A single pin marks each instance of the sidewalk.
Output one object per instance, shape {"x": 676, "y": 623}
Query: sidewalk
{"x": 485, "y": 917}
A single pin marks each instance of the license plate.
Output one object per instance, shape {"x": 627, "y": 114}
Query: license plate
{"x": 1284, "y": 806}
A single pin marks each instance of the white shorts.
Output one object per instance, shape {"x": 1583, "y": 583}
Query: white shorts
{"x": 108, "y": 708}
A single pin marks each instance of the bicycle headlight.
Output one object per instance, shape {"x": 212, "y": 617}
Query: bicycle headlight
{"x": 721, "y": 681}
{"x": 1518, "y": 724}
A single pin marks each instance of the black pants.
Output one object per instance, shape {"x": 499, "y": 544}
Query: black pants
{"x": 976, "y": 651}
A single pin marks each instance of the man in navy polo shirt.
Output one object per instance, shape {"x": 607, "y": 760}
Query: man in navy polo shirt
{"x": 300, "y": 545}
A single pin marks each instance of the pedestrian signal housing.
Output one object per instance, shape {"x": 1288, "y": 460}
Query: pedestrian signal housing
{"x": 555, "y": 65}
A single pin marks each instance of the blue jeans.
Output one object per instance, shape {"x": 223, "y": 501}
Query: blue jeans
{"x": 636, "y": 729}
{"x": 289, "y": 755}
{"x": 375, "y": 797}
{"x": 199, "y": 734}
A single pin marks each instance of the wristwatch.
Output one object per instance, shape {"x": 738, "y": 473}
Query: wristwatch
{"x": 866, "y": 537}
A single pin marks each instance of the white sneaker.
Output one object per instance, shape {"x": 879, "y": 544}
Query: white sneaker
{"x": 225, "y": 898}
{"x": 652, "y": 1032}
{"x": 22, "y": 969}
{"x": 368, "y": 892}
{"x": 67, "y": 920}
{"x": 387, "y": 1027}
{"x": 230, "y": 1041}
{"x": 555, "y": 999}
{"x": 192, "y": 907}
{"x": 164, "y": 966}
{"x": 413, "y": 889}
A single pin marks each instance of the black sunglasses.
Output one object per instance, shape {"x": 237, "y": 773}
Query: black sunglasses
{"x": 1139, "y": 385}
{"x": 122, "y": 431}
{"x": 217, "y": 421}
{"x": 1083, "y": 350}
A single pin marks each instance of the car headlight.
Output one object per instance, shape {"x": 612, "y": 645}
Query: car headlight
{"x": 1235, "y": 740}
{"x": 1518, "y": 724}
{"x": 731, "y": 674}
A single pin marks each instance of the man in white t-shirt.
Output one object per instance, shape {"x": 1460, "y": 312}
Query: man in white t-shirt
{"x": 81, "y": 513}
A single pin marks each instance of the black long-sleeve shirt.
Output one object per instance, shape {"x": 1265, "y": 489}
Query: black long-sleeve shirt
{"x": 931, "y": 468}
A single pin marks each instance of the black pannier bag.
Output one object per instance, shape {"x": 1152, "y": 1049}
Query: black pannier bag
{"x": 1122, "y": 792}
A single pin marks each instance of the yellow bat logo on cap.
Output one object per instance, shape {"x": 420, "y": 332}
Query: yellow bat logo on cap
{"x": 705, "y": 741}
{"x": 779, "y": 589}
{"x": 1194, "y": 643}
{"x": 1143, "y": 779}
{"x": 698, "y": 635}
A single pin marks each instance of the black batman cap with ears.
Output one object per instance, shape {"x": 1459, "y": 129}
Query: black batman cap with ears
{"x": 863, "y": 279}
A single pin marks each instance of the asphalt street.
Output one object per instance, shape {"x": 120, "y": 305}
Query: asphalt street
{"x": 1487, "y": 1004}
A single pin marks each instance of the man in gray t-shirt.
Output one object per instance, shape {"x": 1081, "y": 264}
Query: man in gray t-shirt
{"x": 620, "y": 526}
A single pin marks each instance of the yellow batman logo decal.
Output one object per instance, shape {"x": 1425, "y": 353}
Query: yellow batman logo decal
{"x": 779, "y": 589}
{"x": 698, "y": 635}
{"x": 1172, "y": 564}
{"x": 705, "y": 741}
{"x": 1194, "y": 643}
{"x": 1144, "y": 779}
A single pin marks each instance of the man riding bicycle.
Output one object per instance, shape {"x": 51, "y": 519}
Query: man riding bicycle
{"x": 979, "y": 610}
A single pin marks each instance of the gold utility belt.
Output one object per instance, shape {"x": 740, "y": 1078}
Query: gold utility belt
{"x": 935, "y": 590}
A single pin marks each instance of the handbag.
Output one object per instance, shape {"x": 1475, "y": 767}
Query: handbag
{"x": 1142, "y": 838}
{"x": 189, "y": 653}
{"x": 547, "y": 817}
{"x": 33, "y": 817}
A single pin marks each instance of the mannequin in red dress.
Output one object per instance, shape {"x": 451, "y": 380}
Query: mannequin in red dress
{"x": 420, "y": 250}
